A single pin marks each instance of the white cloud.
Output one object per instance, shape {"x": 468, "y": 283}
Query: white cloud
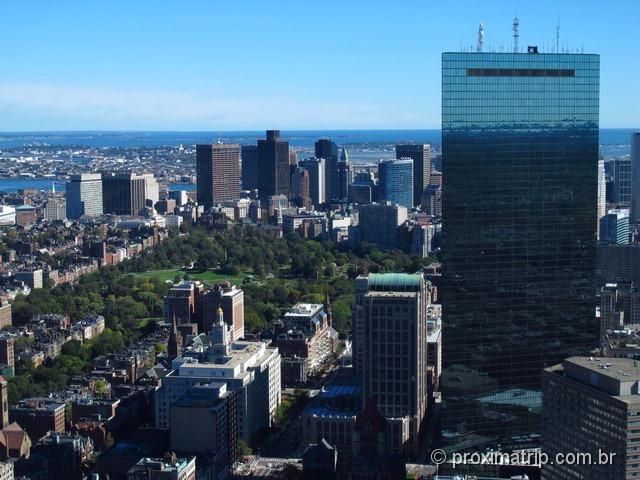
{"x": 44, "y": 106}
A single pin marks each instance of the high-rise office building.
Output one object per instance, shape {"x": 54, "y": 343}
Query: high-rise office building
{"x": 591, "y": 406}
{"x": 300, "y": 185}
{"x": 231, "y": 300}
{"x": 151, "y": 189}
{"x": 635, "y": 177}
{"x": 218, "y": 172}
{"x": 602, "y": 193}
{"x": 421, "y": 156}
{"x": 390, "y": 350}
{"x": 317, "y": 187}
{"x": 183, "y": 302}
{"x": 325, "y": 148}
{"x": 84, "y": 195}
{"x": 395, "y": 178}
{"x": 249, "y": 156}
{"x": 123, "y": 193}
{"x": 273, "y": 165}
{"x": 361, "y": 192}
{"x": 55, "y": 208}
{"x": 614, "y": 226}
{"x": 519, "y": 225}
{"x": 621, "y": 181}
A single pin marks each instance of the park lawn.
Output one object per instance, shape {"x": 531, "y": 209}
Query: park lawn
{"x": 208, "y": 276}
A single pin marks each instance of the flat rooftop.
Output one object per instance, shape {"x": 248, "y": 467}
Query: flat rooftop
{"x": 242, "y": 355}
{"x": 620, "y": 369}
{"x": 615, "y": 377}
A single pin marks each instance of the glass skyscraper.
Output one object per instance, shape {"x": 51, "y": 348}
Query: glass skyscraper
{"x": 395, "y": 182}
{"x": 273, "y": 166}
{"x": 520, "y": 165}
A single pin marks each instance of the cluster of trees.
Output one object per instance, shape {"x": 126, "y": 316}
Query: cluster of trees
{"x": 289, "y": 270}
{"x": 293, "y": 269}
{"x": 256, "y": 250}
{"x": 267, "y": 301}
{"x": 74, "y": 360}
{"x": 123, "y": 299}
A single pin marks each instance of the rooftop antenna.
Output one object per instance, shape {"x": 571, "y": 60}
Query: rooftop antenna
{"x": 480, "y": 37}
{"x": 516, "y": 34}
{"x": 558, "y": 38}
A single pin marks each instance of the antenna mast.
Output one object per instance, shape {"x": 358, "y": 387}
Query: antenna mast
{"x": 557, "y": 38}
{"x": 516, "y": 34}
{"x": 480, "y": 37}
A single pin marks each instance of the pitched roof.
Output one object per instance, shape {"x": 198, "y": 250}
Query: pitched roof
{"x": 372, "y": 417}
{"x": 12, "y": 436}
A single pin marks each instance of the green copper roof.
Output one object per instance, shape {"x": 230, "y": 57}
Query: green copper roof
{"x": 397, "y": 282}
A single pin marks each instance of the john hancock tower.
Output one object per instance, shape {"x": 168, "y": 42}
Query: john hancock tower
{"x": 520, "y": 160}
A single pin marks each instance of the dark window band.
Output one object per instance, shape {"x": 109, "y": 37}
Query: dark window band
{"x": 520, "y": 72}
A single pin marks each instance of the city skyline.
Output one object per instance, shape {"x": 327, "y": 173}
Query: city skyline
{"x": 135, "y": 76}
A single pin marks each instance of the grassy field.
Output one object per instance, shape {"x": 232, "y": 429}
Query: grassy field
{"x": 208, "y": 277}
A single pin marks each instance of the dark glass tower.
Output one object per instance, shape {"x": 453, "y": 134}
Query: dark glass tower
{"x": 123, "y": 193}
{"x": 520, "y": 163}
{"x": 421, "y": 156}
{"x": 249, "y": 155}
{"x": 273, "y": 165}
{"x": 325, "y": 148}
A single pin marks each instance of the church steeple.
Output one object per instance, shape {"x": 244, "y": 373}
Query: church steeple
{"x": 327, "y": 308}
{"x": 174, "y": 346}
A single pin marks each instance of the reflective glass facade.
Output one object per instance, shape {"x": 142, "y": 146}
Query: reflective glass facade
{"x": 395, "y": 182}
{"x": 520, "y": 163}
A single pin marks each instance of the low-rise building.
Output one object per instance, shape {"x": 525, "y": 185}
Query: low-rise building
{"x": 32, "y": 278}
{"x": 331, "y": 415}
{"x": 173, "y": 221}
{"x": 305, "y": 341}
{"x": 169, "y": 467}
{"x": 39, "y": 416}
{"x": 619, "y": 306}
{"x": 26, "y": 215}
{"x": 7, "y": 215}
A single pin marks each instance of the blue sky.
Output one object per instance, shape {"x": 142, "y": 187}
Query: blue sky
{"x": 256, "y": 64}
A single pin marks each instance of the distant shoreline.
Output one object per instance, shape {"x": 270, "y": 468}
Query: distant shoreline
{"x": 297, "y": 138}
